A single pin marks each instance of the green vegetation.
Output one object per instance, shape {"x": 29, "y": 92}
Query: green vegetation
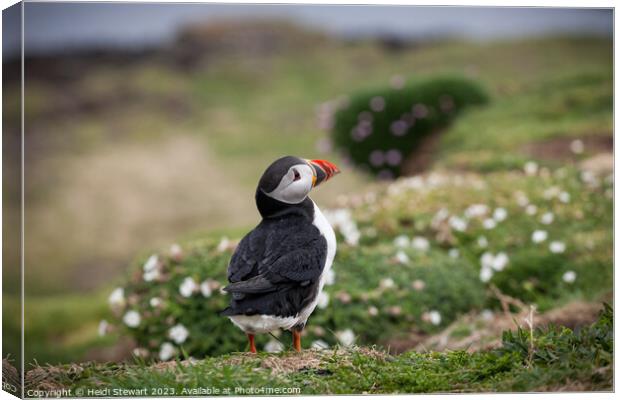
{"x": 148, "y": 123}
{"x": 548, "y": 359}
{"x": 151, "y": 151}
{"x": 380, "y": 130}
{"x": 419, "y": 253}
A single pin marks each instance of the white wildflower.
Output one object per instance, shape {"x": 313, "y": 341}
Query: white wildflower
{"x": 176, "y": 251}
{"x": 395, "y": 310}
{"x": 342, "y": 220}
{"x": 188, "y": 287}
{"x": 166, "y": 351}
{"x": 500, "y": 214}
{"x": 322, "y": 300}
{"x": 151, "y": 275}
{"x": 454, "y": 253}
{"x": 402, "y": 257}
{"x": 531, "y": 209}
{"x": 434, "y": 317}
{"x": 402, "y": 241}
{"x": 564, "y": 197}
{"x": 539, "y": 236}
{"x": 458, "y": 224}
{"x": 117, "y": 298}
{"x": 440, "y": 216}
{"x": 530, "y": 168}
{"x": 387, "y": 283}
{"x": 500, "y": 261}
{"x": 274, "y": 346}
{"x": 489, "y": 223}
{"x": 418, "y": 285}
{"x": 178, "y": 333}
{"x": 486, "y": 273}
{"x": 319, "y": 345}
{"x": 557, "y": 247}
{"x": 223, "y": 245}
{"x": 589, "y": 177}
{"x": 486, "y": 314}
{"x": 155, "y": 302}
{"x": 132, "y": 319}
{"x": 547, "y": 218}
{"x": 346, "y": 337}
{"x": 103, "y": 327}
{"x": 487, "y": 259}
{"x": 483, "y": 242}
{"x": 569, "y": 276}
{"x": 205, "y": 289}
{"x": 373, "y": 311}
{"x": 551, "y": 192}
{"x": 140, "y": 352}
{"x": 420, "y": 243}
{"x": 476, "y": 210}
{"x": 576, "y": 146}
{"x": 151, "y": 263}
{"x": 522, "y": 199}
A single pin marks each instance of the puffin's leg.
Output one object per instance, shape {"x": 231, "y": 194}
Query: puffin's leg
{"x": 252, "y": 344}
{"x": 297, "y": 339}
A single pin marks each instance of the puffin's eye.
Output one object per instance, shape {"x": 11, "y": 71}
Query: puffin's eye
{"x": 296, "y": 175}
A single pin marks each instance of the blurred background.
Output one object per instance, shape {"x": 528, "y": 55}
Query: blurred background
{"x": 148, "y": 124}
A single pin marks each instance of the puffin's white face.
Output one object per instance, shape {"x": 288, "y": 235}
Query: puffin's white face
{"x": 294, "y": 185}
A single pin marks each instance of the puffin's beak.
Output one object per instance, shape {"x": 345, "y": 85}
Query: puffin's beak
{"x": 323, "y": 170}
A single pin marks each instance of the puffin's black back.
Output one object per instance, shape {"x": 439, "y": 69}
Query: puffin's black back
{"x": 276, "y": 267}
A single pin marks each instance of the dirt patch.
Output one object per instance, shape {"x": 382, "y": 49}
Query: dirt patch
{"x": 422, "y": 157}
{"x": 172, "y": 365}
{"x": 599, "y": 164}
{"x": 559, "y": 149}
{"x": 120, "y": 351}
{"x": 306, "y": 360}
{"x": 474, "y": 332}
{"x": 294, "y": 362}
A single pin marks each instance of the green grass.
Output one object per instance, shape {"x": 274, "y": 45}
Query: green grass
{"x": 549, "y": 359}
{"x": 61, "y": 328}
{"x": 570, "y": 105}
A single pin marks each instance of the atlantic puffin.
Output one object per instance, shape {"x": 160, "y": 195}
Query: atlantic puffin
{"x": 278, "y": 270}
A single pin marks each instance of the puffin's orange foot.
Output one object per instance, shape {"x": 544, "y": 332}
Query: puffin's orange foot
{"x": 252, "y": 344}
{"x": 297, "y": 340}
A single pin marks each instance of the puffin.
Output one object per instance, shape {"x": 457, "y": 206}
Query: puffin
{"x": 278, "y": 270}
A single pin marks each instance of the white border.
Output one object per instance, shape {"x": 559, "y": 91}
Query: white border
{"x": 478, "y": 3}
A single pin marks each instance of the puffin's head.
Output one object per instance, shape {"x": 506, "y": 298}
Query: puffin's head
{"x": 289, "y": 179}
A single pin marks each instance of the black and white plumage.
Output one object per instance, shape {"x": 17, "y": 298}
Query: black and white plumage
{"x": 278, "y": 269}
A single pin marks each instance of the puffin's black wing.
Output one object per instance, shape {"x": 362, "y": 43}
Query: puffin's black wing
{"x": 276, "y": 267}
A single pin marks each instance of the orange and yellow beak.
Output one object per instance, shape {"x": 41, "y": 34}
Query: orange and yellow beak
{"x": 323, "y": 170}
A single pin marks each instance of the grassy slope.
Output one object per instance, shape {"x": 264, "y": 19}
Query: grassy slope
{"x": 543, "y": 360}
{"x": 242, "y": 118}
{"x": 242, "y": 113}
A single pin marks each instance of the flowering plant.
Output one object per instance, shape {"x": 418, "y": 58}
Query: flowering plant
{"x": 377, "y": 130}
{"x": 411, "y": 257}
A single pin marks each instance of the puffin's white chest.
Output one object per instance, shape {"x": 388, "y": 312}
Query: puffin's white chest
{"x": 328, "y": 233}
{"x": 268, "y": 323}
